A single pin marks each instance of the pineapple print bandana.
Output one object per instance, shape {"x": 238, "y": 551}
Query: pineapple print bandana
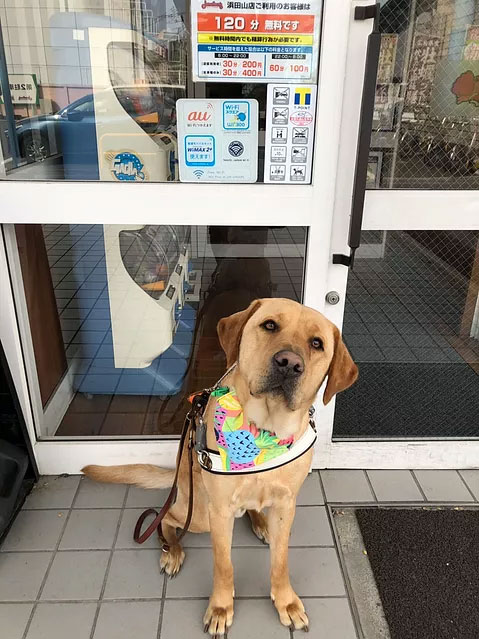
{"x": 240, "y": 443}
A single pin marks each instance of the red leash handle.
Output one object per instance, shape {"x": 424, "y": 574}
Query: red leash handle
{"x": 137, "y": 536}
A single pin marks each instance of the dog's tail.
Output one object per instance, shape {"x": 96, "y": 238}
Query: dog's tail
{"x": 144, "y": 475}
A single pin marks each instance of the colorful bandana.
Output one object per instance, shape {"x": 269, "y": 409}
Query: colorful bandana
{"x": 240, "y": 443}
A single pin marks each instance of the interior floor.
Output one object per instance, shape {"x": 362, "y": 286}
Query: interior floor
{"x": 412, "y": 303}
{"x": 236, "y": 266}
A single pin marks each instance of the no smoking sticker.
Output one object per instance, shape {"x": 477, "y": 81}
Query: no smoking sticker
{"x": 290, "y": 118}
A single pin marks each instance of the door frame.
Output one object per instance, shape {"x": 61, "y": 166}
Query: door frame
{"x": 386, "y": 210}
{"x": 324, "y": 207}
{"x": 260, "y": 204}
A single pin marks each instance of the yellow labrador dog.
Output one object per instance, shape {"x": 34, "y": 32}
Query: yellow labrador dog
{"x": 284, "y": 351}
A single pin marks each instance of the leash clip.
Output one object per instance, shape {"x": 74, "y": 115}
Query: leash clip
{"x": 205, "y": 460}
{"x": 200, "y": 443}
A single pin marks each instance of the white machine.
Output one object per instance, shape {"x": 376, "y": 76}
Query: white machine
{"x": 134, "y": 107}
{"x": 146, "y": 293}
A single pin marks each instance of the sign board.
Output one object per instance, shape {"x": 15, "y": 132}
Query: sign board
{"x": 23, "y": 88}
{"x": 218, "y": 140}
{"x": 290, "y": 115}
{"x": 255, "y": 41}
{"x": 387, "y": 58}
{"x": 422, "y": 71}
{"x": 471, "y": 45}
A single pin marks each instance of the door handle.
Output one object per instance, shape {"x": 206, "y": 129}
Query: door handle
{"x": 365, "y": 128}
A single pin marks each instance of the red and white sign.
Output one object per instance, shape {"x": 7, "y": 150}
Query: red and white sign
{"x": 233, "y": 42}
{"x": 301, "y": 118}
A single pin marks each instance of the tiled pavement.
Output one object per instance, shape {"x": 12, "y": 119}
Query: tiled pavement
{"x": 69, "y": 565}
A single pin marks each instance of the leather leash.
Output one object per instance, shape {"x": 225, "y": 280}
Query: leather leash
{"x": 199, "y": 402}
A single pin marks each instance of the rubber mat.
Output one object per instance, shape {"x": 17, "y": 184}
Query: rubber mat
{"x": 426, "y": 567}
{"x": 410, "y": 400}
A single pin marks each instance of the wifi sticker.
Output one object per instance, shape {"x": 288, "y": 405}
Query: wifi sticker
{"x": 199, "y": 151}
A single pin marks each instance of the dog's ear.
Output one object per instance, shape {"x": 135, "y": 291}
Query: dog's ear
{"x": 230, "y": 330}
{"x": 342, "y": 372}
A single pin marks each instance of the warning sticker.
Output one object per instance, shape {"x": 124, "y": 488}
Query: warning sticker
{"x": 218, "y": 140}
{"x": 290, "y": 115}
{"x": 254, "y": 41}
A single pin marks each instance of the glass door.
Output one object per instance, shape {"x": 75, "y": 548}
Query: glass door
{"x": 410, "y": 301}
{"x": 162, "y": 167}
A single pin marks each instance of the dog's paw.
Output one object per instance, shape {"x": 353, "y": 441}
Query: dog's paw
{"x": 218, "y": 619}
{"x": 172, "y": 560}
{"x": 259, "y": 525}
{"x": 291, "y": 612}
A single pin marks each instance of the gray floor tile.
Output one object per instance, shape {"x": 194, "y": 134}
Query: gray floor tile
{"x": 50, "y": 621}
{"x": 127, "y": 527}
{"x": 367, "y": 354}
{"x": 14, "y": 618}
{"x": 316, "y": 572}
{"x": 183, "y": 619}
{"x": 195, "y": 578}
{"x": 253, "y": 619}
{"x": 329, "y": 618}
{"x": 202, "y": 540}
{"x": 394, "y": 485}
{"x": 442, "y": 485}
{"x": 390, "y": 341}
{"x": 346, "y": 486}
{"x": 22, "y": 575}
{"x": 142, "y": 498}
{"x": 94, "y": 494}
{"x": 76, "y": 575}
{"x": 134, "y": 574}
{"x": 243, "y": 534}
{"x": 35, "y": 530}
{"x": 471, "y": 477}
{"x": 435, "y": 355}
{"x": 310, "y": 493}
{"x": 94, "y": 529}
{"x": 257, "y": 619}
{"x": 53, "y": 492}
{"x": 311, "y": 527}
{"x": 124, "y": 620}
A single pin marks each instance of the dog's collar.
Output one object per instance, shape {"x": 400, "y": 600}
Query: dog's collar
{"x": 242, "y": 447}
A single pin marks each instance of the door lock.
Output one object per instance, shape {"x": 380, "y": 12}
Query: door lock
{"x": 332, "y": 297}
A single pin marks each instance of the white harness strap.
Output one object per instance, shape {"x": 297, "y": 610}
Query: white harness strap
{"x": 211, "y": 461}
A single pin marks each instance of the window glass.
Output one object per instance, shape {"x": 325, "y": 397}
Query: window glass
{"x": 123, "y": 318}
{"x": 426, "y": 117}
{"x": 90, "y": 90}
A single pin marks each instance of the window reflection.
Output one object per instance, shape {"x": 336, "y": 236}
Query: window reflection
{"x": 426, "y": 117}
{"x": 76, "y": 72}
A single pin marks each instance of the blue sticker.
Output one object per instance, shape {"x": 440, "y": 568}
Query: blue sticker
{"x": 236, "y": 115}
{"x": 199, "y": 150}
{"x": 128, "y": 167}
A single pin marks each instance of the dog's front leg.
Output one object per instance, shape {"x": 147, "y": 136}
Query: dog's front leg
{"x": 219, "y": 615}
{"x": 288, "y": 604}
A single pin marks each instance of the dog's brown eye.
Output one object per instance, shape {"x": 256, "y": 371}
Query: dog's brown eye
{"x": 317, "y": 343}
{"x": 269, "y": 325}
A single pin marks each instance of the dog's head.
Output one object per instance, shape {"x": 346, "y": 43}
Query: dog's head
{"x": 286, "y": 350}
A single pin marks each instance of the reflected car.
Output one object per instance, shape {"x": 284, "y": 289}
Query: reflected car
{"x": 152, "y": 107}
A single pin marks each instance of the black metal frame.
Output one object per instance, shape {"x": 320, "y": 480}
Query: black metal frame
{"x": 364, "y": 137}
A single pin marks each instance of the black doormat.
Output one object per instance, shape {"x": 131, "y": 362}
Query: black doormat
{"x": 410, "y": 400}
{"x": 426, "y": 567}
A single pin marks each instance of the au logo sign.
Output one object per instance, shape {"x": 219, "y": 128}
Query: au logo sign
{"x": 198, "y": 116}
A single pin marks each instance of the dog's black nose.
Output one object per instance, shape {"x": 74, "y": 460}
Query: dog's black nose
{"x": 288, "y": 363}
